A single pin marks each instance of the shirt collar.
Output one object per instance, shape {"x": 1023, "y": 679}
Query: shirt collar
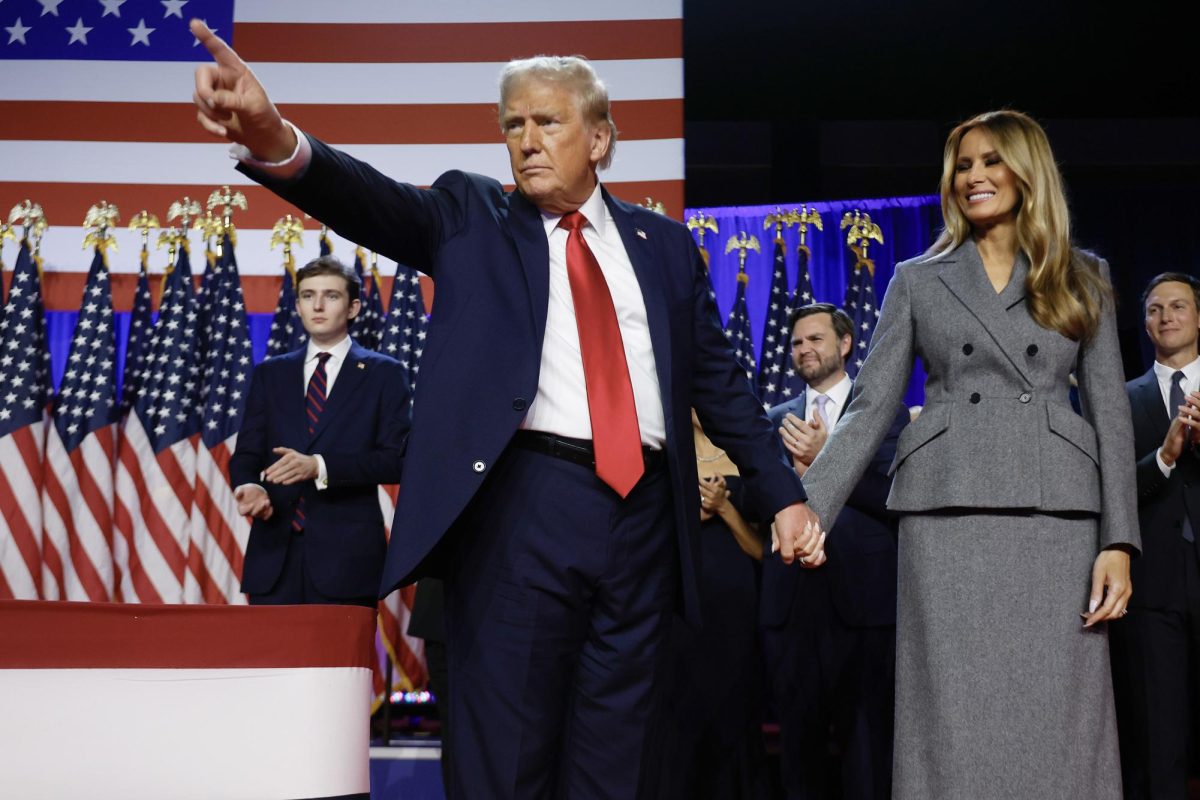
{"x": 839, "y": 393}
{"x": 593, "y": 208}
{"x": 1190, "y": 371}
{"x": 338, "y": 351}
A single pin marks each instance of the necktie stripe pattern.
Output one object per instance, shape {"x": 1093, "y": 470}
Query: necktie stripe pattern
{"x": 314, "y": 403}
{"x": 615, "y": 434}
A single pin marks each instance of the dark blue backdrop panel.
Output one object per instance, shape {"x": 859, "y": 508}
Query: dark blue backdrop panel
{"x": 909, "y": 225}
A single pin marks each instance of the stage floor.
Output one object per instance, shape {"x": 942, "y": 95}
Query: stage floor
{"x": 407, "y": 769}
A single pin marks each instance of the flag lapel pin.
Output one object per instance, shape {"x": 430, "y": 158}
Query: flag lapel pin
{"x": 641, "y": 233}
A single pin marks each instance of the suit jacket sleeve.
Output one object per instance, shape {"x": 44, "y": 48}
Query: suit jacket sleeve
{"x": 252, "y": 453}
{"x": 1104, "y": 404}
{"x": 871, "y": 492}
{"x": 359, "y": 202}
{"x": 730, "y": 413}
{"x": 384, "y": 461}
{"x": 878, "y": 390}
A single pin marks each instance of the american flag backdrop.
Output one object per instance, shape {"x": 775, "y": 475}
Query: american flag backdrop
{"x": 775, "y": 361}
{"x": 863, "y": 310}
{"x": 737, "y": 328}
{"x": 95, "y": 105}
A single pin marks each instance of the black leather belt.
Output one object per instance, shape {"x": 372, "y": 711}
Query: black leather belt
{"x": 577, "y": 451}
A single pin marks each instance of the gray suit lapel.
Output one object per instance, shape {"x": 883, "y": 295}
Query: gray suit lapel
{"x": 963, "y": 274}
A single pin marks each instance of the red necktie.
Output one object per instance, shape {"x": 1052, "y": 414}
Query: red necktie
{"x": 314, "y": 404}
{"x": 615, "y": 434}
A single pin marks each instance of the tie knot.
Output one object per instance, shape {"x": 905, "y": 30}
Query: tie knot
{"x": 822, "y": 401}
{"x": 1178, "y": 378}
{"x": 573, "y": 221}
{"x": 323, "y": 357}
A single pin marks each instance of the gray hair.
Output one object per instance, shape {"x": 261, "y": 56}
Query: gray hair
{"x": 577, "y": 75}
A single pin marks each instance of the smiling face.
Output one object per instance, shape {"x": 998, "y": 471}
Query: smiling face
{"x": 985, "y": 188}
{"x": 1173, "y": 323}
{"x": 325, "y": 308}
{"x": 552, "y": 148}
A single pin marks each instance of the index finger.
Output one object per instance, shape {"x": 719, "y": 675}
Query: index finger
{"x": 221, "y": 52}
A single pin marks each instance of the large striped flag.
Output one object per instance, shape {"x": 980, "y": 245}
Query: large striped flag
{"x": 367, "y": 327}
{"x": 287, "y": 331}
{"x": 409, "y": 87}
{"x": 24, "y": 388}
{"x": 737, "y": 327}
{"x": 77, "y": 500}
{"x": 404, "y": 328}
{"x": 137, "y": 344}
{"x": 218, "y": 531}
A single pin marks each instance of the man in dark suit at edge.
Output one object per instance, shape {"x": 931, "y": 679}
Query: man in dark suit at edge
{"x": 1156, "y": 648}
{"x": 829, "y": 634}
{"x": 324, "y": 426}
{"x": 553, "y": 484}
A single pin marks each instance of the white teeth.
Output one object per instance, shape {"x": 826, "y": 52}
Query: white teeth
{"x": 981, "y": 196}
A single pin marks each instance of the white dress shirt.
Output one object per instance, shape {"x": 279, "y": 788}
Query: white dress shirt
{"x": 839, "y": 396}
{"x": 337, "y": 357}
{"x": 1191, "y": 383}
{"x": 560, "y": 406}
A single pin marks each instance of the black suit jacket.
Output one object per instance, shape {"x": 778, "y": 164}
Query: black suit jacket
{"x": 861, "y": 571}
{"x": 487, "y": 253}
{"x": 361, "y": 435}
{"x": 1162, "y": 502}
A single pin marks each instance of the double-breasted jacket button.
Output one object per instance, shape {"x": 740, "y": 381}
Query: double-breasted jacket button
{"x": 1032, "y": 350}
{"x": 479, "y": 466}
{"x": 968, "y": 349}
{"x": 975, "y": 398}
{"x": 518, "y": 404}
{"x": 1025, "y": 397}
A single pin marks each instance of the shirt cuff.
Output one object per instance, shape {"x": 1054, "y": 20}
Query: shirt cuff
{"x": 294, "y": 166}
{"x": 1163, "y": 468}
{"x": 322, "y": 474}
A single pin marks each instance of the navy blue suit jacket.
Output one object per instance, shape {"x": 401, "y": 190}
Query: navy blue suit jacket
{"x": 487, "y": 252}
{"x": 861, "y": 545}
{"x": 1162, "y": 502}
{"x": 361, "y": 435}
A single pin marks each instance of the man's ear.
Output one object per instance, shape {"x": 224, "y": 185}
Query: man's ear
{"x": 355, "y": 307}
{"x": 847, "y": 347}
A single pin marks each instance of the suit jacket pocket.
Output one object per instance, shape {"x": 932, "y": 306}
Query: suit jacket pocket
{"x": 931, "y": 423}
{"x": 1074, "y": 428}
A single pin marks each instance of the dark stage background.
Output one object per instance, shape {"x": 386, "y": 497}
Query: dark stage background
{"x": 793, "y": 102}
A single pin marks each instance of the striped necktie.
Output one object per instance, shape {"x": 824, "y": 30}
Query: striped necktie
{"x": 314, "y": 404}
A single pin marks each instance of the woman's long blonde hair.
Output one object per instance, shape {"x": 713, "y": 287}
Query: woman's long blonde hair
{"x": 1063, "y": 292}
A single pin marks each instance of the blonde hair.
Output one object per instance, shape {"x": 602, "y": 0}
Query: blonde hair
{"x": 1064, "y": 292}
{"x": 574, "y": 72}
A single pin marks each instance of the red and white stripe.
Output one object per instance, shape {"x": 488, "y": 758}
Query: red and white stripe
{"x": 218, "y": 532}
{"x": 21, "y": 472}
{"x": 77, "y": 501}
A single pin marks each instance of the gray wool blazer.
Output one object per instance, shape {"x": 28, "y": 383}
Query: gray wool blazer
{"x": 997, "y": 430}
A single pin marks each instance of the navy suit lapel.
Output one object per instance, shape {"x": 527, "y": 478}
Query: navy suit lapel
{"x": 292, "y": 401}
{"x": 1148, "y": 400}
{"x": 643, "y": 257}
{"x": 350, "y": 376}
{"x": 529, "y": 234}
{"x": 964, "y": 275}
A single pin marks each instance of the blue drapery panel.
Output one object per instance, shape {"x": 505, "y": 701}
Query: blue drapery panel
{"x": 909, "y": 226}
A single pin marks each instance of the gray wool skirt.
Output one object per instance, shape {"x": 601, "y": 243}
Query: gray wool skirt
{"x": 1000, "y": 692}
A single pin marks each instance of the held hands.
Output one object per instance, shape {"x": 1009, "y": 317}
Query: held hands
{"x": 803, "y": 440}
{"x": 797, "y": 535}
{"x": 253, "y": 502}
{"x": 714, "y": 495}
{"x": 292, "y": 467}
{"x": 1111, "y": 587}
{"x": 1185, "y": 429}
{"x": 233, "y": 105}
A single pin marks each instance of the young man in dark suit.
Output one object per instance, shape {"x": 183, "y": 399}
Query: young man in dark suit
{"x": 830, "y": 633}
{"x": 1156, "y": 648}
{"x": 324, "y": 426}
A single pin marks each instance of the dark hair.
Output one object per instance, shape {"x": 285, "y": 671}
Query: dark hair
{"x": 842, "y": 324}
{"x": 328, "y": 265}
{"x": 1172, "y": 277}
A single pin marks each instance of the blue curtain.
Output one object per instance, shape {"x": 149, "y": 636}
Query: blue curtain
{"x": 909, "y": 225}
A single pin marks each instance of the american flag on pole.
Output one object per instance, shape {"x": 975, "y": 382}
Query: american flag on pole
{"x": 367, "y": 327}
{"x": 287, "y": 331}
{"x": 156, "y": 456}
{"x": 404, "y": 327}
{"x": 862, "y": 308}
{"x": 218, "y": 531}
{"x": 77, "y": 499}
{"x": 775, "y": 362}
{"x": 141, "y": 325}
{"x": 24, "y": 389}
